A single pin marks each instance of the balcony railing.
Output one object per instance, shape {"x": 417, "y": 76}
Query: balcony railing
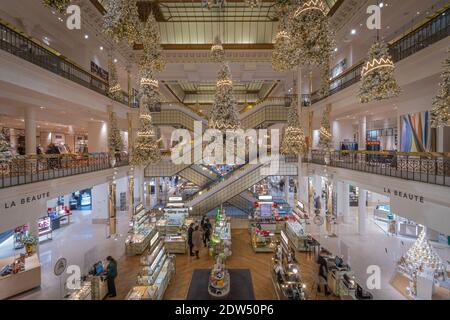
{"x": 433, "y": 168}
{"x": 23, "y": 47}
{"x": 25, "y": 170}
{"x": 427, "y": 34}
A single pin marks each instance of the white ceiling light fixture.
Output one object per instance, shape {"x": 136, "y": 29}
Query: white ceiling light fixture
{"x": 101, "y": 48}
{"x": 86, "y": 36}
{"x": 381, "y": 5}
{"x": 353, "y": 32}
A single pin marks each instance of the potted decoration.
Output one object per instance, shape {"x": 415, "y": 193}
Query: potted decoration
{"x": 30, "y": 242}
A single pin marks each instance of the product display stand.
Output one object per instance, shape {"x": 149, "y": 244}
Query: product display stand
{"x": 220, "y": 244}
{"x": 158, "y": 268}
{"x": 141, "y": 232}
{"x": 99, "y": 287}
{"x": 173, "y": 227}
{"x": 297, "y": 235}
{"x": 219, "y": 281}
{"x": 263, "y": 241}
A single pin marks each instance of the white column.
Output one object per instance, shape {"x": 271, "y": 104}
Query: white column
{"x": 346, "y": 201}
{"x": 148, "y": 194}
{"x": 362, "y": 133}
{"x": 97, "y": 136}
{"x": 30, "y": 131}
{"x": 99, "y": 194}
{"x": 157, "y": 195}
{"x": 141, "y": 185}
{"x": 362, "y": 211}
{"x": 340, "y": 199}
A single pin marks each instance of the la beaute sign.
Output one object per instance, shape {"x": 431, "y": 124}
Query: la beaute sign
{"x": 404, "y": 195}
{"x": 26, "y": 200}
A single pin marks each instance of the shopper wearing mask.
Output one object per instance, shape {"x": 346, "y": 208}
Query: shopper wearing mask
{"x": 111, "y": 274}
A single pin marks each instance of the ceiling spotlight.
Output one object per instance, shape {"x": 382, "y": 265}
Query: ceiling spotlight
{"x": 335, "y": 49}
{"x": 101, "y": 48}
{"x": 42, "y": 108}
{"x": 381, "y": 5}
{"x": 353, "y": 31}
{"x": 86, "y": 36}
{"x": 115, "y": 60}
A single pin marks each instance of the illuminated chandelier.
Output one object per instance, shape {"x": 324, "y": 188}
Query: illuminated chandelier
{"x": 311, "y": 33}
{"x": 151, "y": 41}
{"x": 440, "y": 114}
{"x": 378, "y": 79}
{"x": 284, "y": 57}
{"x": 294, "y": 137}
{"x": 223, "y": 114}
{"x": 149, "y": 95}
{"x": 121, "y": 21}
{"x": 59, "y": 5}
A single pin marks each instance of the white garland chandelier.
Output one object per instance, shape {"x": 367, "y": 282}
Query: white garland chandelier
{"x": 217, "y": 51}
{"x": 253, "y": 3}
{"x": 59, "y": 5}
{"x": 121, "y": 21}
{"x": 294, "y": 137}
{"x": 440, "y": 113}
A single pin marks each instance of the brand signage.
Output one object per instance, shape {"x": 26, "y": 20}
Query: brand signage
{"x": 404, "y": 195}
{"x": 9, "y": 204}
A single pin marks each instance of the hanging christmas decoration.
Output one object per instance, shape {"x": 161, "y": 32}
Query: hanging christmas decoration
{"x": 294, "y": 137}
{"x": 324, "y": 90}
{"x": 217, "y": 51}
{"x": 5, "y": 148}
{"x": 146, "y": 147}
{"x": 114, "y": 138}
{"x": 378, "y": 80}
{"x": 253, "y": 3}
{"x": 151, "y": 40}
{"x": 311, "y": 32}
{"x": 59, "y": 5}
{"x": 223, "y": 114}
{"x": 115, "y": 90}
{"x": 418, "y": 258}
{"x": 325, "y": 137}
{"x": 149, "y": 94}
{"x": 284, "y": 55}
{"x": 440, "y": 114}
{"x": 121, "y": 21}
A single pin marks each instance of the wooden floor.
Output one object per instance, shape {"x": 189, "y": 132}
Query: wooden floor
{"x": 243, "y": 257}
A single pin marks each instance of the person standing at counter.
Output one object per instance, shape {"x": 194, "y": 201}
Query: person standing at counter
{"x": 111, "y": 274}
{"x": 190, "y": 243}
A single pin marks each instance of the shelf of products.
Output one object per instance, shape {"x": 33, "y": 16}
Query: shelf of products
{"x": 45, "y": 227}
{"x": 141, "y": 232}
{"x": 219, "y": 281}
{"x": 220, "y": 244}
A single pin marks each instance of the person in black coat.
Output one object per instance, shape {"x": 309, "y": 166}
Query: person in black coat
{"x": 190, "y": 243}
{"x": 111, "y": 274}
{"x": 207, "y": 232}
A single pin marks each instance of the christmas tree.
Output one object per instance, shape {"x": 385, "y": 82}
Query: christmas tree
{"x": 284, "y": 55}
{"x": 149, "y": 94}
{"x": 419, "y": 257}
{"x": 324, "y": 90}
{"x": 59, "y": 5}
{"x": 311, "y": 32}
{"x": 294, "y": 138}
{"x": 153, "y": 53}
{"x": 217, "y": 52}
{"x": 325, "y": 138}
{"x": 223, "y": 114}
{"x": 114, "y": 138}
{"x": 146, "y": 150}
{"x": 440, "y": 114}
{"x": 115, "y": 91}
{"x": 121, "y": 21}
{"x": 378, "y": 80}
{"x": 5, "y": 148}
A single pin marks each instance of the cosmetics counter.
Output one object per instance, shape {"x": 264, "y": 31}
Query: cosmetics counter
{"x": 173, "y": 227}
{"x": 157, "y": 269}
{"x": 263, "y": 241}
{"x": 267, "y": 216}
{"x": 285, "y": 272}
{"x": 141, "y": 232}
{"x": 19, "y": 274}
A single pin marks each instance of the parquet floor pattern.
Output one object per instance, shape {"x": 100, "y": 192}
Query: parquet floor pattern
{"x": 243, "y": 257}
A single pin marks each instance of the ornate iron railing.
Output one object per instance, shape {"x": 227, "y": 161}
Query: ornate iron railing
{"x": 427, "y": 34}
{"x": 25, "y": 170}
{"x": 30, "y": 50}
{"x": 433, "y": 168}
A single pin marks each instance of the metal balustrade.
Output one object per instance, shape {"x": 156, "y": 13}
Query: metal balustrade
{"x": 25, "y": 48}
{"x": 427, "y": 34}
{"x": 25, "y": 170}
{"x": 432, "y": 168}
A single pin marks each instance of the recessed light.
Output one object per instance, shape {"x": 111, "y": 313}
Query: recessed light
{"x": 418, "y": 12}
{"x": 353, "y": 31}
{"x": 42, "y": 108}
{"x": 335, "y": 49}
{"x": 86, "y": 36}
{"x": 381, "y": 5}
{"x": 101, "y": 47}
{"x": 115, "y": 60}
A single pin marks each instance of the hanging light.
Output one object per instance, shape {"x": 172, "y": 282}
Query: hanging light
{"x": 253, "y": 3}
{"x": 440, "y": 113}
{"x": 294, "y": 137}
{"x": 121, "y": 21}
{"x": 217, "y": 51}
{"x": 59, "y": 5}
{"x": 115, "y": 90}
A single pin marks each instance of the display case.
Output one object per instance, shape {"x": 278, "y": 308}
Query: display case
{"x": 296, "y": 234}
{"x": 45, "y": 230}
{"x": 219, "y": 281}
{"x": 84, "y": 293}
{"x": 141, "y": 232}
{"x": 176, "y": 243}
{"x": 221, "y": 238}
{"x": 263, "y": 241}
